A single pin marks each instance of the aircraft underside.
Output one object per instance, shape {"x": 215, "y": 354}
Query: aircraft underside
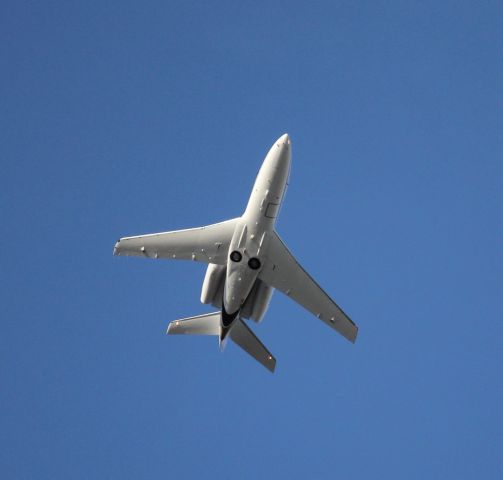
{"x": 247, "y": 261}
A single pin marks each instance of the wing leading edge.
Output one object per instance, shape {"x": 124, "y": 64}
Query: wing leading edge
{"x": 283, "y": 272}
{"x": 208, "y": 244}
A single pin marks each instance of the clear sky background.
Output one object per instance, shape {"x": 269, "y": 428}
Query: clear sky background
{"x": 122, "y": 118}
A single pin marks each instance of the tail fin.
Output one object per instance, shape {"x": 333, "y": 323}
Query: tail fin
{"x": 246, "y": 339}
{"x": 208, "y": 324}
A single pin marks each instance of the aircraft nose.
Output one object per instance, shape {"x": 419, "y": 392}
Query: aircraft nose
{"x": 285, "y": 152}
{"x": 284, "y": 139}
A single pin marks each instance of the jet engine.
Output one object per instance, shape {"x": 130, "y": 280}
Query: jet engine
{"x": 213, "y": 285}
{"x": 257, "y": 302}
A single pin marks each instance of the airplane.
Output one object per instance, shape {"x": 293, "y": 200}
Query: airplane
{"x": 247, "y": 261}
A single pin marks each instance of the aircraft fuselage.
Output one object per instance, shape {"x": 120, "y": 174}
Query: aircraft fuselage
{"x": 246, "y": 262}
{"x": 251, "y": 235}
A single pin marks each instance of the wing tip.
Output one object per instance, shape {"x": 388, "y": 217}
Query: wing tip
{"x": 116, "y": 247}
{"x": 271, "y": 366}
{"x": 353, "y": 337}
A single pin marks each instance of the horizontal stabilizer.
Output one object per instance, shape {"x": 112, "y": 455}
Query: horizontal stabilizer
{"x": 246, "y": 339}
{"x": 208, "y": 324}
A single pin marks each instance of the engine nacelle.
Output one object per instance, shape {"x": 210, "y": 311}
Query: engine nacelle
{"x": 213, "y": 285}
{"x": 257, "y": 302}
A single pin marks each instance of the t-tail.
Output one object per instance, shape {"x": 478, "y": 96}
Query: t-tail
{"x": 237, "y": 330}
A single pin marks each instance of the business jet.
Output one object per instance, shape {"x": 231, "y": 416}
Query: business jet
{"x": 247, "y": 261}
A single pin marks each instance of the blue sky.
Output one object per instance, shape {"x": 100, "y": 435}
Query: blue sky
{"x": 122, "y": 118}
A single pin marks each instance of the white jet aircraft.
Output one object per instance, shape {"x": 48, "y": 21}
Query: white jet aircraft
{"x": 246, "y": 260}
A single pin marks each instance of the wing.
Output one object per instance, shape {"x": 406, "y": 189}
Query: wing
{"x": 284, "y": 273}
{"x": 208, "y": 244}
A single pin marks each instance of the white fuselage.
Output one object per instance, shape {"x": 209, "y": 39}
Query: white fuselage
{"x": 246, "y": 262}
{"x": 249, "y": 242}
